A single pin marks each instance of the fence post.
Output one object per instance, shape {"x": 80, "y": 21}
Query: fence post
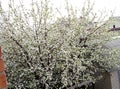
{"x": 3, "y": 79}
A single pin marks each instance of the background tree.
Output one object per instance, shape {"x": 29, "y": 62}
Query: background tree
{"x": 43, "y": 51}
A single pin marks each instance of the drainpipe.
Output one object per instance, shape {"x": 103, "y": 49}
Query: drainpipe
{"x": 3, "y": 79}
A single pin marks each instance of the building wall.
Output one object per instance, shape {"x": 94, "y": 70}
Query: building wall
{"x": 115, "y": 80}
{"x": 104, "y": 83}
{"x": 109, "y": 81}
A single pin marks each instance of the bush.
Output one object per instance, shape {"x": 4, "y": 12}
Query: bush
{"x": 43, "y": 51}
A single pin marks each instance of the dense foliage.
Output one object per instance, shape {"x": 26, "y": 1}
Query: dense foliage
{"x": 43, "y": 51}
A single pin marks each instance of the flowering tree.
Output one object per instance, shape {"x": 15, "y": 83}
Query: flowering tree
{"x": 43, "y": 51}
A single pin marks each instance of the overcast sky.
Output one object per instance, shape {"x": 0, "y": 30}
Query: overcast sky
{"x": 102, "y": 5}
